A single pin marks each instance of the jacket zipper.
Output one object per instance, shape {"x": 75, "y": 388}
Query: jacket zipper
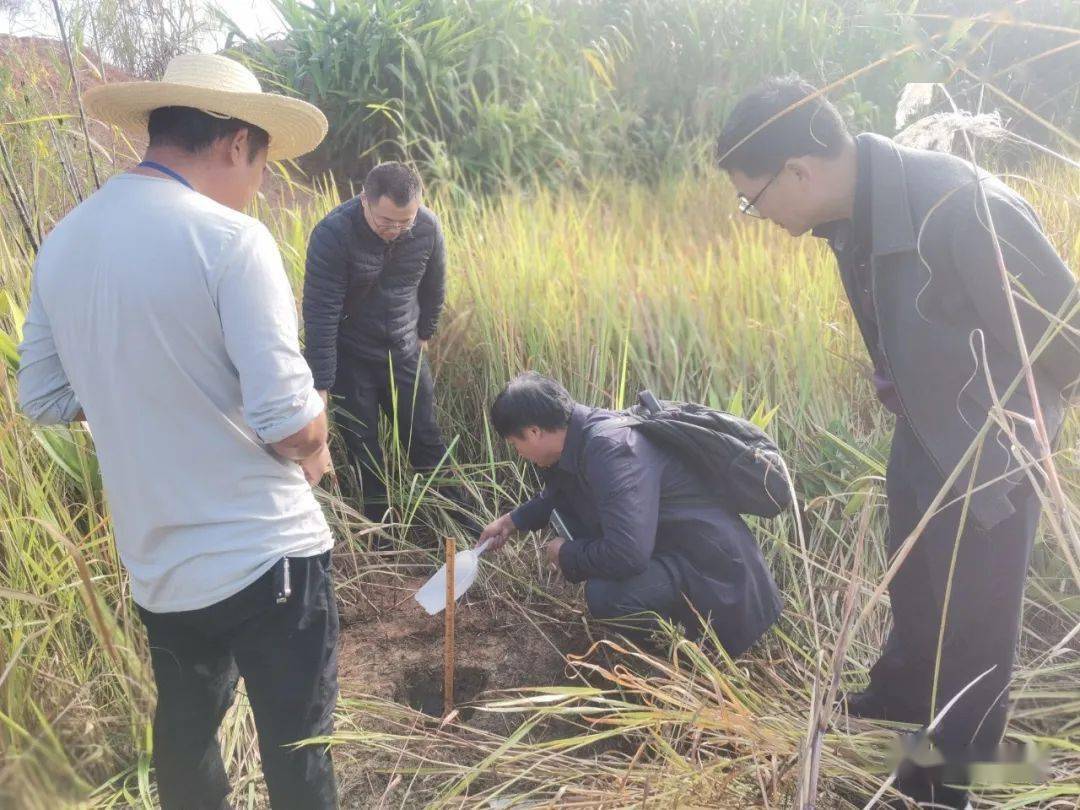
{"x": 888, "y": 366}
{"x": 387, "y": 251}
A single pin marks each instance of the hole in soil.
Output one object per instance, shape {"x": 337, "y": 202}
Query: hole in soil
{"x": 423, "y": 689}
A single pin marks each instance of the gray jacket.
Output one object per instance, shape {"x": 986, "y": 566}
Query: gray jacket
{"x": 943, "y": 326}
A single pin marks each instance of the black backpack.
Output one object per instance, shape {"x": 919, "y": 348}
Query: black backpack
{"x": 732, "y": 453}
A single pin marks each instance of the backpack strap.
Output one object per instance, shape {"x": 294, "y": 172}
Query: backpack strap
{"x": 613, "y": 423}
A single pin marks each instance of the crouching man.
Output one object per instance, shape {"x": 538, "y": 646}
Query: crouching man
{"x": 649, "y": 537}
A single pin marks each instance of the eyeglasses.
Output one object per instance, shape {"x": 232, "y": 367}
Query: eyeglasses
{"x": 391, "y": 225}
{"x": 384, "y": 224}
{"x": 749, "y": 206}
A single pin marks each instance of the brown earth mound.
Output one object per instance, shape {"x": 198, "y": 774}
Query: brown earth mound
{"x": 392, "y": 650}
{"x": 34, "y": 76}
{"x": 35, "y": 81}
{"x": 388, "y": 642}
{"x": 22, "y": 56}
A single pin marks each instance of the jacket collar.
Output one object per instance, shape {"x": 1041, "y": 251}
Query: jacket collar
{"x": 890, "y": 212}
{"x": 570, "y": 460}
{"x": 881, "y": 201}
{"x": 854, "y": 234}
{"x": 360, "y": 221}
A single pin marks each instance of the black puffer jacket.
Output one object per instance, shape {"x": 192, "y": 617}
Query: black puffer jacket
{"x": 364, "y": 297}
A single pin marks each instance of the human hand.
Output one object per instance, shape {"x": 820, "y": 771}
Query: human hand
{"x": 317, "y": 465}
{"x": 498, "y": 532}
{"x": 552, "y": 550}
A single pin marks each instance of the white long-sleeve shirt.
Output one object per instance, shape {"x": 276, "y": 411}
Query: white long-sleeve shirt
{"x": 168, "y": 320}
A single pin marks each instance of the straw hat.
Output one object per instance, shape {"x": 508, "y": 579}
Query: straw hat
{"x": 219, "y": 86}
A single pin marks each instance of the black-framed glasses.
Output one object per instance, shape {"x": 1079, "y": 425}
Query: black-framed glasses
{"x": 392, "y": 225}
{"x": 387, "y": 224}
{"x": 749, "y": 206}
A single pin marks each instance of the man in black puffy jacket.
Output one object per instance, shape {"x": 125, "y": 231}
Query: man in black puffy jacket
{"x": 373, "y": 291}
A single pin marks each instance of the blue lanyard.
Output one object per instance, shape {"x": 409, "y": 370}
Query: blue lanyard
{"x": 149, "y": 164}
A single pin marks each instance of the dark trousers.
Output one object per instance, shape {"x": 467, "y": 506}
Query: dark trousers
{"x": 635, "y": 604}
{"x": 406, "y": 394}
{"x": 982, "y": 618}
{"x": 287, "y": 654}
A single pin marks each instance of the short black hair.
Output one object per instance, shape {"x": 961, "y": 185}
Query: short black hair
{"x": 531, "y": 400}
{"x": 394, "y": 180}
{"x": 194, "y": 130}
{"x": 814, "y": 127}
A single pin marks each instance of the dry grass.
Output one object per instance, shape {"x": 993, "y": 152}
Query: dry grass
{"x": 618, "y": 287}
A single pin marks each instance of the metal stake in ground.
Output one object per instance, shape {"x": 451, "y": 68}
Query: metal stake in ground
{"x": 448, "y": 642}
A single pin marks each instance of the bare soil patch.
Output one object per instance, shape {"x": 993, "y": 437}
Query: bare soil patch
{"x": 392, "y": 650}
{"x": 390, "y": 646}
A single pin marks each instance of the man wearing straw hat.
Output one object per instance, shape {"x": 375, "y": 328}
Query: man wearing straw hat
{"x": 162, "y": 316}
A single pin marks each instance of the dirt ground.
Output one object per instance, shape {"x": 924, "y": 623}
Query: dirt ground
{"x": 391, "y": 649}
{"x": 386, "y": 636}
